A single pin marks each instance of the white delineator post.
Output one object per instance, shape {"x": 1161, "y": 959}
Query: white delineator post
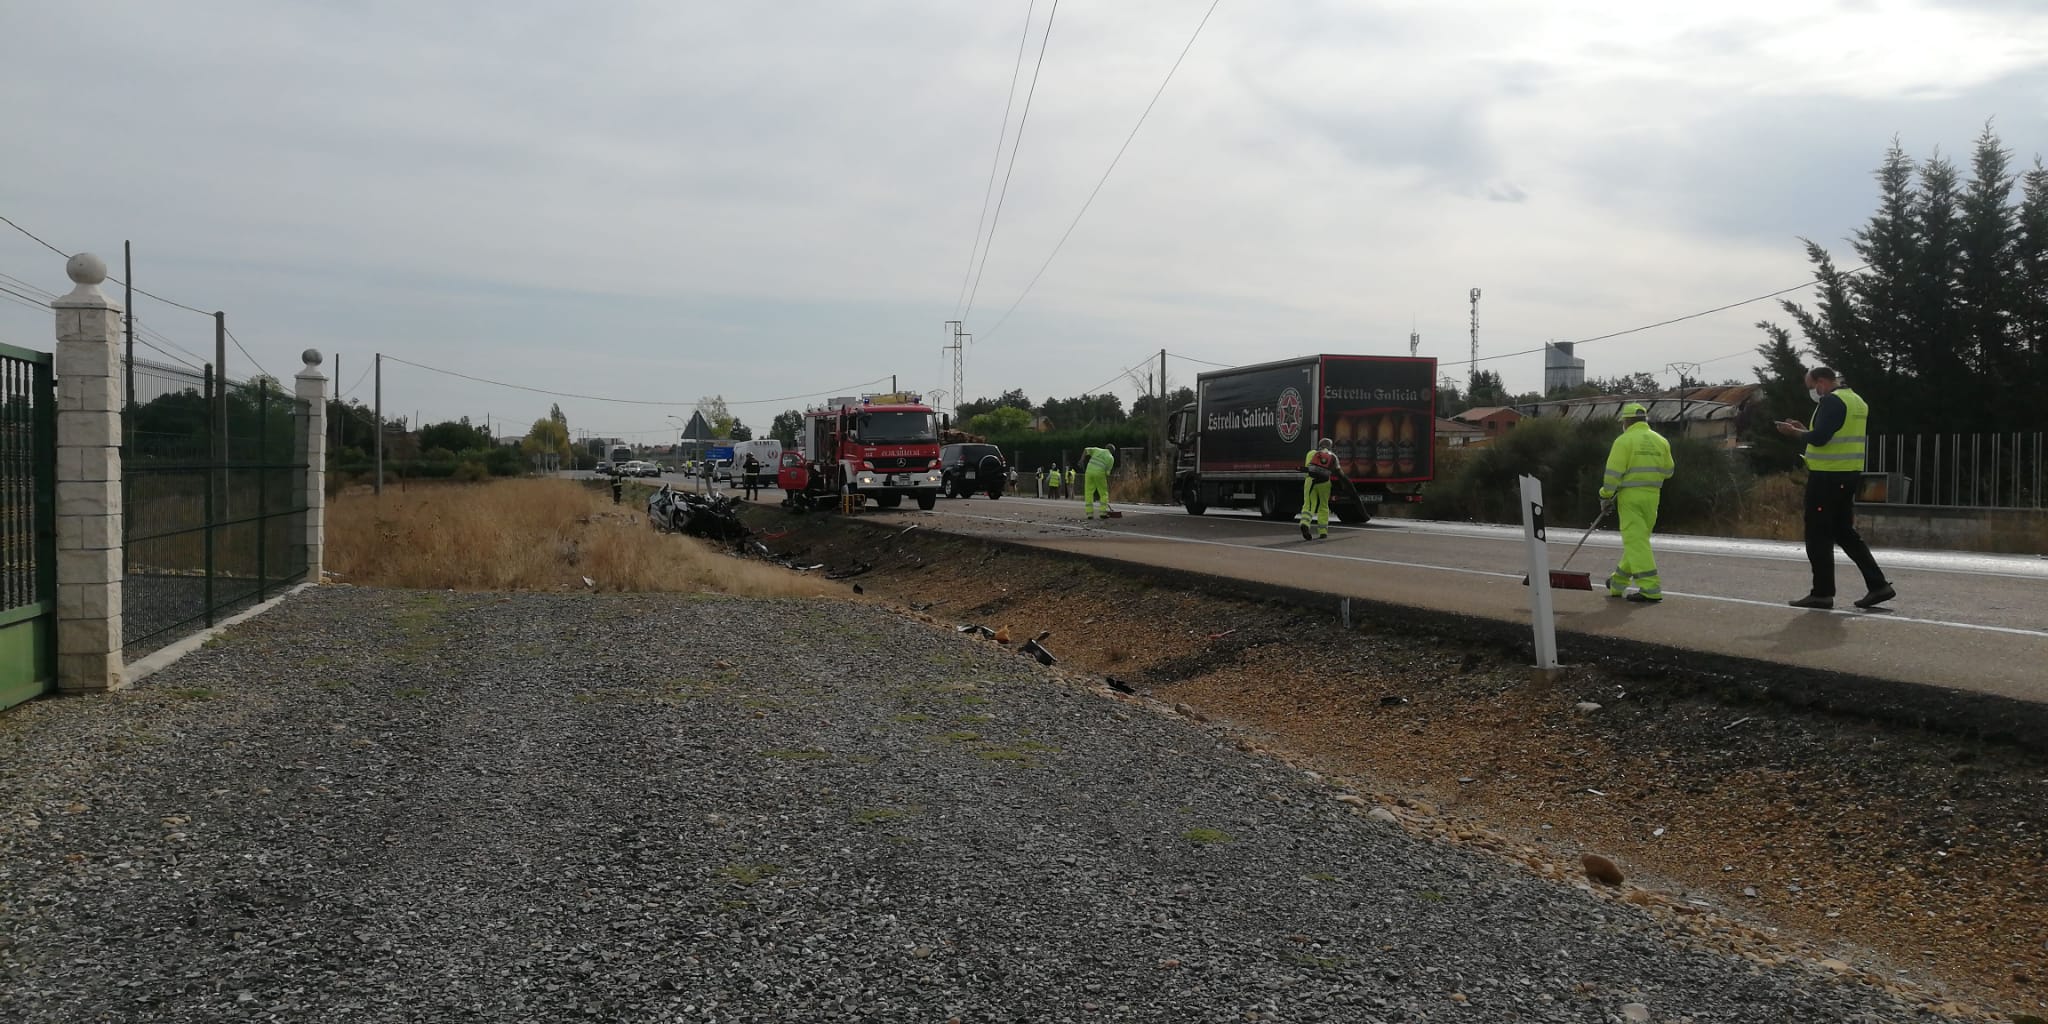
{"x": 312, "y": 390}
{"x": 89, "y": 538}
{"x": 1539, "y": 574}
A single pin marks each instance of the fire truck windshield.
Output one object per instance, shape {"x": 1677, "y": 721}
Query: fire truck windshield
{"x": 895, "y": 427}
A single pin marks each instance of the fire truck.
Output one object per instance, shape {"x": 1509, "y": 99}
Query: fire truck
{"x": 884, "y": 447}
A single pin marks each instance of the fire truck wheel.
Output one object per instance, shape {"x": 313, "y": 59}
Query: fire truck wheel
{"x": 928, "y": 500}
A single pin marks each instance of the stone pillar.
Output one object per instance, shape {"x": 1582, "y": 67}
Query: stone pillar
{"x": 312, "y": 390}
{"x": 88, "y": 368}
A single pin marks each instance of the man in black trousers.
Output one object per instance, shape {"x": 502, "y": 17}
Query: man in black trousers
{"x": 1835, "y": 442}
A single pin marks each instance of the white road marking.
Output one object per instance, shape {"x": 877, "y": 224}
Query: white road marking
{"x": 2012, "y": 567}
{"x": 1461, "y": 570}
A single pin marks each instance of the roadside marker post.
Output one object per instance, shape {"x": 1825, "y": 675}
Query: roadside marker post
{"x": 1539, "y": 575}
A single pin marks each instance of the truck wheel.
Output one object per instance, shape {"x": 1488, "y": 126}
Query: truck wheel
{"x": 1191, "y": 499}
{"x": 1272, "y": 504}
{"x": 889, "y": 500}
{"x": 928, "y": 500}
{"x": 995, "y": 493}
{"x": 1352, "y": 515}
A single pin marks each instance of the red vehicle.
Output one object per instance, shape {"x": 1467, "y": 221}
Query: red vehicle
{"x": 884, "y": 447}
{"x": 1241, "y": 444}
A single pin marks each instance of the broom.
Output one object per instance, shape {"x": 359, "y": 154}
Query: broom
{"x": 1560, "y": 579}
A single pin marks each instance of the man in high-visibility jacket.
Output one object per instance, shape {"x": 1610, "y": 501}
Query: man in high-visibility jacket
{"x": 1834, "y": 467}
{"x": 1316, "y": 473}
{"x": 1637, "y": 467}
{"x": 1052, "y": 480}
{"x": 1095, "y": 480}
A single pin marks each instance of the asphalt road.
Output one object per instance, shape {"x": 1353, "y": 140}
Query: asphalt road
{"x": 1969, "y": 621}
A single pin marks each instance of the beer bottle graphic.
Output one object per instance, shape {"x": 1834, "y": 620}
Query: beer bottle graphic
{"x": 1404, "y": 447}
{"x": 1383, "y": 447}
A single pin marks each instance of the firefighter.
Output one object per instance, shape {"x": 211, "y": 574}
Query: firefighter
{"x": 1316, "y": 473}
{"x": 618, "y": 487}
{"x": 1096, "y": 480}
{"x": 1637, "y": 467}
{"x": 1834, "y": 466}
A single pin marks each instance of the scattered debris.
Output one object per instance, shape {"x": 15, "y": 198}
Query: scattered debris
{"x": 858, "y": 589}
{"x": 859, "y": 568}
{"x": 976, "y": 628}
{"x": 1118, "y": 685}
{"x": 1595, "y": 792}
{"x": 1601, "y": 869}
{"x": 1735, "y": 723}
{"x": 1588, "y": 706}
{"x": 591, "y": 583}
{"x": 1219, "y": 636}
{"x": 1031, "y": 647}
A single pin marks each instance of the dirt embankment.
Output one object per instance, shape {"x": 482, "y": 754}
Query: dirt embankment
{"x": 1909, "y": 856}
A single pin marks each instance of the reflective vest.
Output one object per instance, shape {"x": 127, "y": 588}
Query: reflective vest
{"x": 1100, "y": 460}
{"x": 1053, "y": 477}
{"x": 1640, "y": 458}
{"x": 1844, "y": 452}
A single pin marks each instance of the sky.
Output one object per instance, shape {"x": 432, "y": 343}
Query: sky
{"x": 775, "y": 202}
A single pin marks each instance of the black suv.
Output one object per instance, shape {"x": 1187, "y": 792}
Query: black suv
{"x": 973, "y": 469}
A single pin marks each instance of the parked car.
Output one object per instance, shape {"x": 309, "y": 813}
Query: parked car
{"x": 723, "y": 472}
{"x": 651, "y": 469}
{"x": 973, "y": 469}
{"x": 604, "y": 468}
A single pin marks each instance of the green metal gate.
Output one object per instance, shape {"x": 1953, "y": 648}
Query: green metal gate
{"x": 28, "y": 525}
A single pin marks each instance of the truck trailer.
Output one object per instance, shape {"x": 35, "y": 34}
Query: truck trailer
{"x": 1241, "y": 444}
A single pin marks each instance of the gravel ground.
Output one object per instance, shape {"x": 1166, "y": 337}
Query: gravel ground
{"x": 407, "y": 806}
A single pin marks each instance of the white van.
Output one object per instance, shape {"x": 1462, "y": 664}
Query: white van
{"x": 768, "y": 452}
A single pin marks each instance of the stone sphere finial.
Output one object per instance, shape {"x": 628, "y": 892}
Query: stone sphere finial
{"x": 311, "y": 357}
{"x": 86, "y": 269}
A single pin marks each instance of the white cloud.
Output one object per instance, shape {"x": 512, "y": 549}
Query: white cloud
{"x": 669, "y": 200}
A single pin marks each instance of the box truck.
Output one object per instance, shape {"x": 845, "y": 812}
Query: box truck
{"x": 1241, "y": 444}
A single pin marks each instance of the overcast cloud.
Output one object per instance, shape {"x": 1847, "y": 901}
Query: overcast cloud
{"x": 661, "y": 200}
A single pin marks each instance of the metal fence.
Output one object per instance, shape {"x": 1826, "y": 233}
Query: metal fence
{"x": 28, "y": 559}
{"x": 214, "y": 496}
{"x": 1964, "y": 470}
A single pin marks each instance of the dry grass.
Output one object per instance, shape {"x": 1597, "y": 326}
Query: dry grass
{"x": 529, "y": 535}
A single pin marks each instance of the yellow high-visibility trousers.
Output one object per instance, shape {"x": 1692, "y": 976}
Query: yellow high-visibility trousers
{"x": 1315, "y": 501}
{"x": 1096, "y": 485}
{"x": 1637, "y": 508}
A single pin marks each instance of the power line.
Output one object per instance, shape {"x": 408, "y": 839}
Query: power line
{"x": 25, "y": 303}
{"x": 1105, "y": 174}
{"x": 24, "y": 297}
{"x": 624, "y": 401}
{"x": 995, "y": 160}
{"x": 1015, "y": 145}
{"x": 1660, "y": 323}
{"x": 1204, "y": 362}
{"x": 38, "y": 241}
{"x": 360, "y": 378}
{"x": 245, "y": 353}
{"x": 44, "y": 293}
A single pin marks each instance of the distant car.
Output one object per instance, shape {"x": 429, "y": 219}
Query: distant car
{"x": 973, "y": 469}
{"x": 604, "y": 468}
{"x": 651, "y": 469}
{"x": 723, "y": 474}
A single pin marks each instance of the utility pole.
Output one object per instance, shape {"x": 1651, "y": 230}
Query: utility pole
{"x": 128, "y": 318}
{"x": 220, "y": 410}
{"x": 379, "y": 373}
{"x": 1159, "y": 410}
{"x": 892, "y": 384}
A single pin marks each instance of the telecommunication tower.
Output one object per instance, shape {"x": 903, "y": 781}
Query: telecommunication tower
{"x": 1475, "y": 333}
{"x": 955, "y": 347}
{"x": 1414, "y": 343}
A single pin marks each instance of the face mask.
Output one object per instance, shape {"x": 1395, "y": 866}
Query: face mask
{"x": 1813, "y": 393}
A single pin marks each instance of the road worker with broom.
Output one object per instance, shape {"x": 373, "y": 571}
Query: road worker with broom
{"x": 1097, "y": 463}
{"x": 1317, "y": 471}
{"x": 1637, "y": 467}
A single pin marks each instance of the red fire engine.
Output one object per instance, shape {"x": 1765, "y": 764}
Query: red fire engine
{"x": 884, "y": 447}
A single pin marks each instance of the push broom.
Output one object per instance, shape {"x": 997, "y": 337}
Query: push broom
{"x": 1560, "y": 578}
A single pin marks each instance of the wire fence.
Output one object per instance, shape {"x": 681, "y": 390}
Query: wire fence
{"x": 213, "y": 493}
{"x": 1963, "y": 470}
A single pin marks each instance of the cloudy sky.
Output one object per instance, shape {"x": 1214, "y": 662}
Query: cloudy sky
{"x": 660, "y": 200}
